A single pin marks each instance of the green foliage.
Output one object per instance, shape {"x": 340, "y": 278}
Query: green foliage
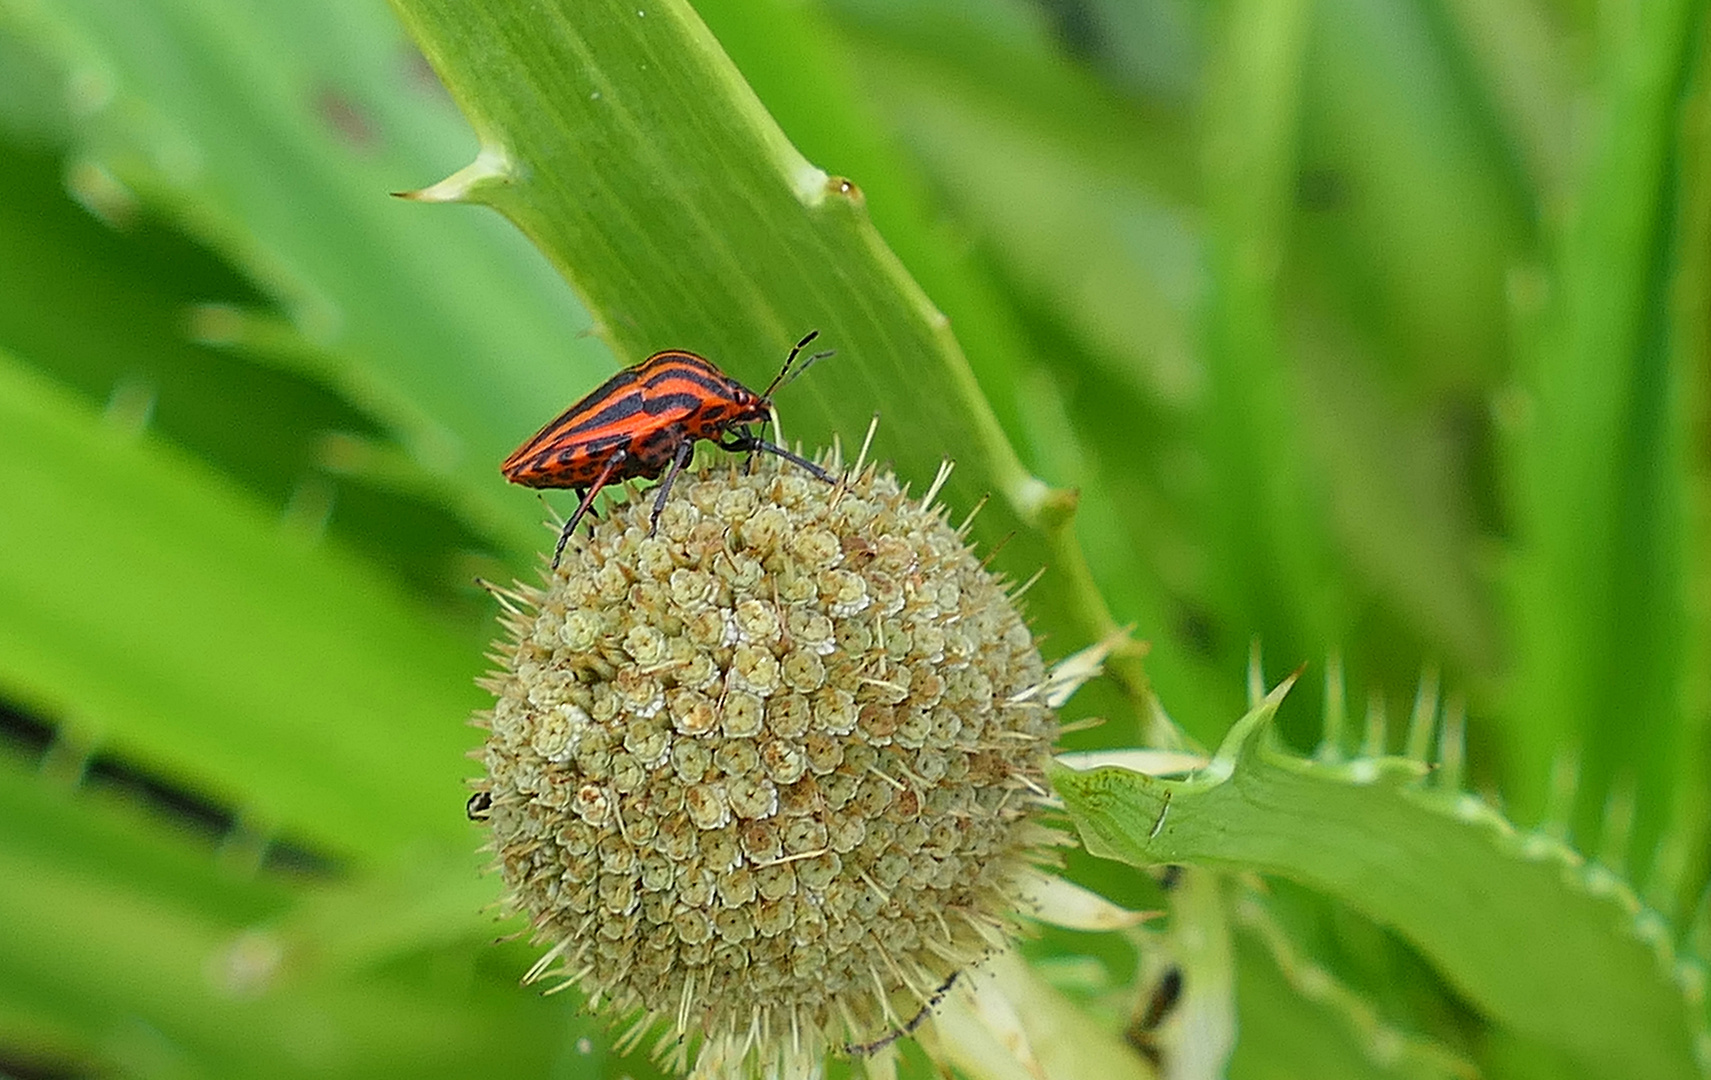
{"x": 1597, "y": 976}
{"x": 192, "y": 612}
{"x": 1356, "y": 328}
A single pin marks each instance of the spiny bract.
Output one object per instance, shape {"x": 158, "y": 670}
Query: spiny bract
{"x": 765, "y": 780}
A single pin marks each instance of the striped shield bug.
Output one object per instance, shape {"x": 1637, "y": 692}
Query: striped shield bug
{"x": 644, "y": 421}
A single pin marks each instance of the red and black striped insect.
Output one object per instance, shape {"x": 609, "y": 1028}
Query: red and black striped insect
{"x": 645, "y": 421}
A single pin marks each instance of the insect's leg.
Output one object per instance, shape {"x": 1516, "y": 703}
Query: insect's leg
{"x": 571, "y": 522}
{"x": 583, "y": 495}
{"x": 678, "y": 461}
{"x": 926, "y": 1010}
{"x": 752, "y": 444}
{"x": 588, "y": 494}
{"x": 746, "y": 436}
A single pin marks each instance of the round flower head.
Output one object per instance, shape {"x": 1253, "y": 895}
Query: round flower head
{"x": 765, "y": 780}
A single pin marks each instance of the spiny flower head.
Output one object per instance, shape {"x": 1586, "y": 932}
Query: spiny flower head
{"x": 765, "y": 779}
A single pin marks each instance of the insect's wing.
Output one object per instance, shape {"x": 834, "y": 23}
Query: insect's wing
{"x": 568, "y": 451}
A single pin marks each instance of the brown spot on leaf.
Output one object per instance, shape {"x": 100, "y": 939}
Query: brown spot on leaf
{"x": 839, "y": 185}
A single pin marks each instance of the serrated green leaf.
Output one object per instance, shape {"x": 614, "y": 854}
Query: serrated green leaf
{"x": 1558, "y": 950}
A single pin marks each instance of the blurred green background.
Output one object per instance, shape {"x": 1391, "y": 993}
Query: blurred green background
{"x": 1366, "y": 329}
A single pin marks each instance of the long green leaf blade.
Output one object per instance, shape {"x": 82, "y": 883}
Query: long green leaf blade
{"x": 163, "y": 961}
{"x": 1602, "y": 612}
{"x": 160, "y": 612}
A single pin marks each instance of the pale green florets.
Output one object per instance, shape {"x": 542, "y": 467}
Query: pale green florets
{"x": 767, "y": 778}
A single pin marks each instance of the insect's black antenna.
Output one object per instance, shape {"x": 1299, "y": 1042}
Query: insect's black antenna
{"x": 785, "y": 377}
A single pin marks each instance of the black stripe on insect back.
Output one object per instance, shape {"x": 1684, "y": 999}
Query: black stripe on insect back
{"x": 621, "y": 408}
{"x": 661, "y": 404}
{"x": 711, "y": 382}
{"x": 609, "y": 388}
